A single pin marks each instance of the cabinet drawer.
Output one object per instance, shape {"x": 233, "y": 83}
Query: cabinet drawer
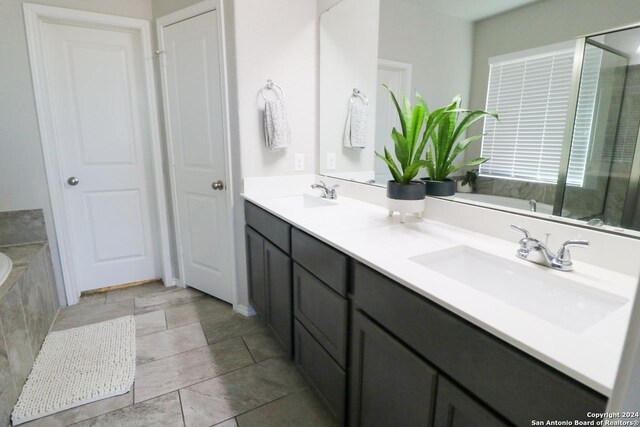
{"x": 321, "y": 371}
{"x": 322, "y": 311}
{"x": 505, "y": 378}
{"x": 270, "y": 226}
{"x": 326, "y": 263}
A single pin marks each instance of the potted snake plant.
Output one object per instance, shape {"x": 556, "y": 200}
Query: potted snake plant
{"x": 446, "y": 146}
{"x": 405, "y": 194}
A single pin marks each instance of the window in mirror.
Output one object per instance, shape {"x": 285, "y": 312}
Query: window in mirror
{"x": 530, "y": 91}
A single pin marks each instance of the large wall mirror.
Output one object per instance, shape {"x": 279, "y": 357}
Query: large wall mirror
{"x": 567, "y": 144}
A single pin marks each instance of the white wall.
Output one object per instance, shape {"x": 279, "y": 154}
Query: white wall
{"x": 276, "y": 40}
{"x": 348, "y": 60}
{"x": 324, "y": 5}
{"x": 438, "y": 46}
{"x": 23, "y": 183}
{"x": 539, "y": 24}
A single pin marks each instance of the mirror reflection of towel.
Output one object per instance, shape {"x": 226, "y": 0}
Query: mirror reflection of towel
{"x": 355, "y": 132}
{"x": 276, "y": 127}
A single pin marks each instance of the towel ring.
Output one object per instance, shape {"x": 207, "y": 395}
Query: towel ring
{"x": 357, "y": 93}
{"x": 270, "y": 86}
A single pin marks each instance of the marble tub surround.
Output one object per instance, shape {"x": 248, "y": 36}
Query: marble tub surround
{"x": 28, "y": 307}
{"x": 19, "y": 227}
{"x": 364, "y": 232}
{"x": 188, "y": 376}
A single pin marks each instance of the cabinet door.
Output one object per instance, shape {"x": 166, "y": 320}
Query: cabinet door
{"x": 390, "y": 385}
{"x": 454, "y": 408}
{"x": 279, "y": 294}
{"x": 255, "y": 271}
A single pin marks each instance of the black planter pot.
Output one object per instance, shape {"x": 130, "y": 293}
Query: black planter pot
{"x": 440, "y": 188}
{"x": 412, "y": 191}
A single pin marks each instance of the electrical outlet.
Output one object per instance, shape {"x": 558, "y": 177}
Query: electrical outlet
{"x": 331, "y": 161}
{"x": 298, "y": 162}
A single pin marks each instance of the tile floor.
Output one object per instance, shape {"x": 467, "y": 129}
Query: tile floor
{"x": 199, "y": 363}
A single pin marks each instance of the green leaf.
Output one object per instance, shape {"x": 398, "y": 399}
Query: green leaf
{"x": 412, "y": 170}
{"x": 471, "y": 118}
{"x": 462, "y": 145}
{"x": 403, "y": 122}
{"x": 402, "y": 148}
{"x": 393, "y": 168}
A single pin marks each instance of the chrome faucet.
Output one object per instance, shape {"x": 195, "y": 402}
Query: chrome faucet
{"x": 533, "y": 205}
{"x": 532, "y": 249}
{"x": 327, "y": 193}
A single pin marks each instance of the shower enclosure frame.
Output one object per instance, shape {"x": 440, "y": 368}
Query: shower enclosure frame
{"x": 631, "y": 199}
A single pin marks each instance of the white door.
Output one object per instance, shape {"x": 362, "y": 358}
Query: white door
{"x": 397, "y": 76}
{"x": 95, "y": 78}
{"x": 194, "y": 104}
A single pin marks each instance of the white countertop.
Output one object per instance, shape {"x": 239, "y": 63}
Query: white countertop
{"x": 365, "y": 232}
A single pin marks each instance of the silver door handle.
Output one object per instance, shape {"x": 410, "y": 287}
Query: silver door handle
{"x": 73, "y": 181}
{"x": 218, "y": 185}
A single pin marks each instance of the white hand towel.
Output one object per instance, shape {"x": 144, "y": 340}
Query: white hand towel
{"x": 276, "y": 127}
{"x": 355, "y": 132}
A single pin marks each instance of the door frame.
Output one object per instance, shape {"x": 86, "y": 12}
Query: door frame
{"x": 405, "y": 68}
{"x": 34, "y": 16}
{"x": 162, "y": 22}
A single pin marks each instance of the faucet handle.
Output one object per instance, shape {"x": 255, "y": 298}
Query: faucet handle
{"x": 527, "y": 235}
{"x": 564, "y": 256}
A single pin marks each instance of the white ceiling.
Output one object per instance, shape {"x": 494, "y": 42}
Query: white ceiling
{"x": 473, "y": 10}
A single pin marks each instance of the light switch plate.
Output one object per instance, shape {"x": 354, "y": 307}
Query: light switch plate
{"x": 298, "y": 162}
{"x": 331, "y": 161}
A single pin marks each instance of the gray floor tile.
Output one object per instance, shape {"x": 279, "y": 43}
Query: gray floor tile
{"x": 201, "y": 309}
{"x": 230, "y": 325}
{"x": 84, "y": 412}
{"x": 161, "y": 411}
{"x": 262, "y": 344}
{"x": 185, "y": 369}
{"x": 150, "y": 289}
{"x": 228, "y": 395}
{"x": 299, "y": 409}
{"x": 167, "y": 343}
{"x": 150, "y": 323}
{"x": 93, "y": 299}
{"x": 229, "y": 423}
{"x": 167, "y": 299}
{"x": 80, "y": 315}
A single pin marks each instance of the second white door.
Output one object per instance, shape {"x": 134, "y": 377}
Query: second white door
{"x": 192, "y": 86}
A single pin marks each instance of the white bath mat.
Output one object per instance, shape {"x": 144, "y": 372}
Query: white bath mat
{"x": 78, "y": 366}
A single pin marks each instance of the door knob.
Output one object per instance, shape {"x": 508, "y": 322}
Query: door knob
{"x": 218, "y": 185}
{"x": 73, "y": 181}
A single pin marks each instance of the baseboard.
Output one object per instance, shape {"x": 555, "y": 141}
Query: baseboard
{"x": 245, "y": 310}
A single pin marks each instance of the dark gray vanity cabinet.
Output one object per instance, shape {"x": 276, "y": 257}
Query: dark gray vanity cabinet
{"x": 379, "y": 354}
{"x": 510, "y": 382}
{"x": 269, "y": 269}
{"x": 390, "y": 385}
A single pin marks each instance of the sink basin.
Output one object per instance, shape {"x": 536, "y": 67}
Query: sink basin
{"x": 305, "y": 201}
{"x": 561, "y": 301}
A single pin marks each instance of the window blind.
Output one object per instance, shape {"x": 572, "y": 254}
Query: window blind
{"x": 531, "y": 95}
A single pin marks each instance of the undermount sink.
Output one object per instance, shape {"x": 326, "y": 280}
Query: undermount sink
{"x": 305, "y": 201}
{"x": 561, "y": 301}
